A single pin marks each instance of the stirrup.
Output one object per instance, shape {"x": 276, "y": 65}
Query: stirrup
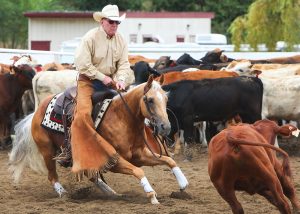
{"x": 65, "y": 163}
{"x": 65, "y": 157}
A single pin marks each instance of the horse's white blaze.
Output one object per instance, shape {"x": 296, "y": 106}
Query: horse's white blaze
{"x": 181, "y": 179}
{"x": 156, "y": 86}
{"x": 159, "y": 96}
{"x": 59, "y": 189}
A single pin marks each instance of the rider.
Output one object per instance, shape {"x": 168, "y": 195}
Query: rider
{"x": 101, "y": 59}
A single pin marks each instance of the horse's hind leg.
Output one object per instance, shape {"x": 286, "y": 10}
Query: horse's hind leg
{"x": 46, "y": 148}
{"x": 48, "y": 153}
{"x": 125, "y": 167}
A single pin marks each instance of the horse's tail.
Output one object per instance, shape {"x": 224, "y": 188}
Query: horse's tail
{"x": 24, "y": 151}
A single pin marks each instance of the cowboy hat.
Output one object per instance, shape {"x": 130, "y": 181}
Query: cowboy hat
{"x": 110, "y": 12}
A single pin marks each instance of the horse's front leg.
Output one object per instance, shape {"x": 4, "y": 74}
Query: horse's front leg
{"x": 125, "y": 167}
{"x": 147, "y": 159}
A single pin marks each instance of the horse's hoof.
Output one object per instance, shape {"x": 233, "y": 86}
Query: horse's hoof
{"x": 117, "y": 195}
{"x": 62, "y": 192}
{"x": 59, "y": 189}
{"x": 154, "y": 201}
{"x": 152, "y": 196}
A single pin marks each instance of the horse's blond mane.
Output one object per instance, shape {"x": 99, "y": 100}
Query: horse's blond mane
{"x": 155, "y": 86}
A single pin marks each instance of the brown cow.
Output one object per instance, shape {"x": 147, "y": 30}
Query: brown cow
{"x": 137, "y": 58}
{"x": 171, "y": 77}
{"x": 279, "y": 60}
{"x": 12, "y": 87}
{"x": 242, "y": 158}
{"x": 53, "y": 66}
{"x": 4, "y": 68}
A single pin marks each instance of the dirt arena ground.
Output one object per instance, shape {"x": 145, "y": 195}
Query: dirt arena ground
{"x": 35, "y": 195}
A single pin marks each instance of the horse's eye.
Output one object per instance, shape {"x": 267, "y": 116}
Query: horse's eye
{"x": 150, "y": 100}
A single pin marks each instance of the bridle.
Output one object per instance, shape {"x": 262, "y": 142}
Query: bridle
{"x": 159, "y": 141}
{"x": 152, "y": 118}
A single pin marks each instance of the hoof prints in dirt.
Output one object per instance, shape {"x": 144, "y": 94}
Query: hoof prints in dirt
{"x": 180, "y": 195}
{"x": 81, "y": 193}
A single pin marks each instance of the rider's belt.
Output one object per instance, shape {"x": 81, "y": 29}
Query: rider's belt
{"x": 84, "y": 78}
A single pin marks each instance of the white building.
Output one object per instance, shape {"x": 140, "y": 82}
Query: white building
{"x": 47, "y": 30}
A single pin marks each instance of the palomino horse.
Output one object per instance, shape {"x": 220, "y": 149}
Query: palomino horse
{"x": 122, "y": 126}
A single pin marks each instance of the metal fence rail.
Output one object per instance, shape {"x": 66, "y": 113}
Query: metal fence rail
{"x": 43, "y": 57}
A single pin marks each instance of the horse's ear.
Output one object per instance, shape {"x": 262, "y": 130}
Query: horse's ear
{"x": 149, "y": 84}
{"x": 161, "y": 79}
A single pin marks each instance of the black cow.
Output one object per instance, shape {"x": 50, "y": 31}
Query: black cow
{"x": 142, "y": 71}
{"x": 186, "y": 59}
{"x": 215, "y": 56}
{"x": 205, "y": 63}
{"x": 213, "y": 100}
{"x": 183, "y": 67}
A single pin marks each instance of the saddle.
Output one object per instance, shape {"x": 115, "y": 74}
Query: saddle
{"x": 65, "y": 103}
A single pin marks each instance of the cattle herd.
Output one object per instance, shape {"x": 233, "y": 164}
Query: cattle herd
{"x": 236, "y": 107}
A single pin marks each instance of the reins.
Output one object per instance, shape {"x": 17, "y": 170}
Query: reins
{"x": 177, "y": 125}
{"x": 155, "y": 136}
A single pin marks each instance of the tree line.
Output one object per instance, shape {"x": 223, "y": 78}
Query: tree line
{"x": 242, "y": 21}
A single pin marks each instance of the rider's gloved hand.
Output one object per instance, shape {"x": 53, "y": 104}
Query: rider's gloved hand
{"x": 120, "y": 85}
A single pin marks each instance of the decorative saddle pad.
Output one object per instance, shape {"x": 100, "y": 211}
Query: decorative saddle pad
{"x": 53, "y": 120}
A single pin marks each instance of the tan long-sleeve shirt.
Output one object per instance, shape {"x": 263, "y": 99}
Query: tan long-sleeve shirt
{"x": 98, "y": 55}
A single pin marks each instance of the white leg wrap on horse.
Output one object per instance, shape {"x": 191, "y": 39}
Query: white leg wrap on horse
{"x": 145, "y": 183}
{"x": 59, "y": 188}
{"x": 104, "y": 187}
{"x": 181, "y": 179}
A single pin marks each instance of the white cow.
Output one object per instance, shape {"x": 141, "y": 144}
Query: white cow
{"x": 281, "y": 89}
{"x": 46, "y": 83}
{"x": 281, "y": 97}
